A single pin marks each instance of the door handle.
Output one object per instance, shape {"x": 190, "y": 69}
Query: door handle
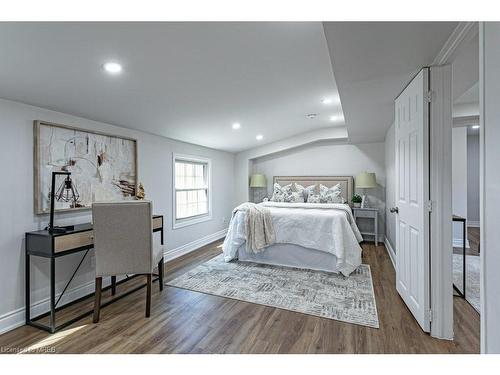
{"x": 394, "y": 210}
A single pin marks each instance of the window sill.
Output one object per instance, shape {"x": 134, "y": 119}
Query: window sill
{"x": 187, "y": 222}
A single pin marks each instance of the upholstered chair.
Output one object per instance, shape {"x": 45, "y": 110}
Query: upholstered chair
{"x": 123, "y": 244}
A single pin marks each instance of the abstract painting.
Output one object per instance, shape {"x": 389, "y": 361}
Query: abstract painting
{"x": 103, "y": 167}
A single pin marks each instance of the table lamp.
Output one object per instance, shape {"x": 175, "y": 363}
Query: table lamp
{"x": 365, "y": 180}
{"x": 67, "y": 192}
{"x": 258, "y": 181}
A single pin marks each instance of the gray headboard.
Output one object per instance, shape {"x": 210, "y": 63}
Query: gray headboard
{"x": 346, "y": 182}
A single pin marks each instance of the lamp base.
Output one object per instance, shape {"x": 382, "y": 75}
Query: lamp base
{"x": 57, "y": 229}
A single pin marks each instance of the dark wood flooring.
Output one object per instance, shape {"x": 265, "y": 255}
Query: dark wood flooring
{"x": 473, "y": 236}
{"x": 183, "y": 321}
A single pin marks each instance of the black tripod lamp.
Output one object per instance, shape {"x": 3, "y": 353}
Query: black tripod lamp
{"x": 67, "y": 192}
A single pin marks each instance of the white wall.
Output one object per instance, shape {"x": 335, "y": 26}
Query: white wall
{"x": 473, "y": 179}
{"x": 324, "y": 159}
{"x": 489, "y": 82}
{"x": 16, "y": 190}
{"x": 390, "y": 185}
{"x": 459, "y": 180}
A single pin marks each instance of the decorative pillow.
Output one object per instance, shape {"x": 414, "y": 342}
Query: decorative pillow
{"x": 313, "y": 198}
{"x": 303, "y": 192}
{"x": 279, "y": 192}
{"x": 294, "y": 197}
{"x": 330, "y": 195}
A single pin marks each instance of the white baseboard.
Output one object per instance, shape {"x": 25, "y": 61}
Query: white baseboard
{"x": 16, "y": 318}
{"x": 473, "y": 224}
{"x": 390, "y": 251}
{"x": 194, "y": 245}
{"x": 457, "y": 242}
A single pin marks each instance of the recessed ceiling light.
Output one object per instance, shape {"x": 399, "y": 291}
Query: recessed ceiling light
{"x": 475, "y": 126}
{"x": 112, "y": 67}
{"x": 259, "y": 137}
{"x": 236, "y": 125}
{"x": 326, "y": 100}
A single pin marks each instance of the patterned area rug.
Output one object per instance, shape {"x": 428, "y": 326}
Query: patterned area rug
{"x": 348, "y": 299}
{"x": 473, "y": 268}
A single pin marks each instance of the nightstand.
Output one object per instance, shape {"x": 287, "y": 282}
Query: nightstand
{"x": 369, "y": 213}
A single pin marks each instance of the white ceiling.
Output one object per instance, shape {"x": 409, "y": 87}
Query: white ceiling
{"x": 191, "y": 81}
{"x": 187, "y": 81}
{"x": 465, "y": 72}
{"x": 469, "y": 96}
{"x": 373, "y": 61}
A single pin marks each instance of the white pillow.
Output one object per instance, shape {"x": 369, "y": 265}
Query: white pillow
{"x": 330, "y": 195}
{"x": 303, "y": 191}
{"x": 294, "y": 197}
{"x": 310, "y": 194}
{"x": 280, "y": 193}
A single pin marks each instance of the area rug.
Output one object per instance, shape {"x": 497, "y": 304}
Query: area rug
{"x": 473, "y": 269}
{"x": 327, "y": 295}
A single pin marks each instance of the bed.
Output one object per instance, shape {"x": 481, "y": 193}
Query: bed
{"x": 315, "y": 236}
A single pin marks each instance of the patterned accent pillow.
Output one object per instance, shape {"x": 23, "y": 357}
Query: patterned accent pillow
{"x": 313, "y": 198}
{"x": 330, "y": 195}
{"x": 303, "y": 192}
{"x": 294, "y": 197}
{"x": 280, "y": 193}
{"x": 309, "y": 191}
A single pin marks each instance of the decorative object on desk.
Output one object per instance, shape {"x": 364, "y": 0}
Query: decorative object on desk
{"x": 356, "y": 200}
{"x": 140, "y": 194}
{"x": 67, "y": 192}
{"x": 258, "y": 182}
{"x": 104, "y": 166}
{"x": 365, "y": 180}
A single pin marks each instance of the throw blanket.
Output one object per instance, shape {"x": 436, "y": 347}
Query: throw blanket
{"x": 324, "y": 227}
{"x": 259, "y": 230}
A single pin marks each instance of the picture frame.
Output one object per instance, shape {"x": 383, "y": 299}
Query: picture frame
{"x": 103, "y": 166}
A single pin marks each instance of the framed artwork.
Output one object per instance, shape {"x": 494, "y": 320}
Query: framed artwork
{"x": 103, "y": 167}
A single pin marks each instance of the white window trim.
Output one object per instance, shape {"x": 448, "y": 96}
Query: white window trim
{"x": 180, "y": 223}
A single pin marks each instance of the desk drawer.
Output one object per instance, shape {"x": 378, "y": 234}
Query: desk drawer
{"x": 157, "y": 222}
{"x": 73, "y": 241}
{"x": 361, "y": 213}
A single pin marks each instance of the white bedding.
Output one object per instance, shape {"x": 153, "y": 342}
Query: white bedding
{"x": 325, "y": 227}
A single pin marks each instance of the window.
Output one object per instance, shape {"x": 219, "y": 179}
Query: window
{"x": 191, "y": 190}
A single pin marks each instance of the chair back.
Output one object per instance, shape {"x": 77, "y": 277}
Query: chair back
{"x": 123, "y": 237}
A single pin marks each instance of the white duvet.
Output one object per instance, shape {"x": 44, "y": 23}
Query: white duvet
{"x": 325, "y": 227}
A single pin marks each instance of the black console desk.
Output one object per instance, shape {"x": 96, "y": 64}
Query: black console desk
{"x": 41, "y": 243}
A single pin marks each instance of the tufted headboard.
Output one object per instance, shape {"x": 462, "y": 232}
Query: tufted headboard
{"x": 346, "y": 182}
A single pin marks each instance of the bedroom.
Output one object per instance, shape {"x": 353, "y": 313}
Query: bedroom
{"x": 266, "y": 154}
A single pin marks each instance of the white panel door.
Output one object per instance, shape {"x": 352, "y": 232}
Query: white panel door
{"x": 412, "y": 195}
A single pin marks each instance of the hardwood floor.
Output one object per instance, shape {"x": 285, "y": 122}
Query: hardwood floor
{"x": 473, "y": 237}
{"x": 183, "y": 321}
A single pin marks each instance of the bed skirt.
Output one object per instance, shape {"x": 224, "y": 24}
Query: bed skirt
{"x": 290, "y": 255}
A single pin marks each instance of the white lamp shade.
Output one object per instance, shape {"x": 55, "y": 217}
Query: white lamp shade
{"x": 258, "y": 180}
{"x": 366, "y": 180}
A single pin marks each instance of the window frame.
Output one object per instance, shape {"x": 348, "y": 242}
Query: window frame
{"x": 191, "y": 220}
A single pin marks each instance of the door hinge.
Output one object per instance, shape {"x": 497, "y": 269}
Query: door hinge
{"x": 428, "y": 206}
{"x": 428, "y": 96}
{"x": 429, "y": 315}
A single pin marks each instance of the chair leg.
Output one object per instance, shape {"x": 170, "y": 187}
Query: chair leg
{"x": 161, "y": 270}
{"x": 113, "y": 285}
{"x": 148, "y": 295}
{"x": 97, "y": 300}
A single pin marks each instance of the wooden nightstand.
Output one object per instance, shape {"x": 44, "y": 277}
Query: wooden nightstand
{"x": 370, "y": 213}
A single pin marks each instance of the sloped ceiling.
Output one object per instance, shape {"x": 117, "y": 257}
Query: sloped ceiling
{"x": 372, "y": 62}
{"x": 188, "y": 81}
